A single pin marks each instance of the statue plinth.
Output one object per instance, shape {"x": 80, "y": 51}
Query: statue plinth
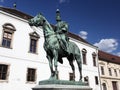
{"x": 61, "y": 85}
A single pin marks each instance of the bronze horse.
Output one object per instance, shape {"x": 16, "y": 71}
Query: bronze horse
{"x": 53, "y": 47}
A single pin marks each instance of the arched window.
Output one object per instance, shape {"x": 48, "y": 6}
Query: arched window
{"x": 110, "y": 71}
{"x": 104, "y": 86}
{"x": 84, "y": 51}
{"x": 8, "y": 30}
{"x": 94, "y": 59}
{"x": 115, "y": 71}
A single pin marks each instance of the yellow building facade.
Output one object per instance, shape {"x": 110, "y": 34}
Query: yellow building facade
{"x": 109, "y": 67}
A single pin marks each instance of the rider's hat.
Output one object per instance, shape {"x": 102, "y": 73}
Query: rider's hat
{"x": 58, "y": 17}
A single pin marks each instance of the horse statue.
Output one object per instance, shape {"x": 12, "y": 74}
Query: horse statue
{"x": 53, "y": 47}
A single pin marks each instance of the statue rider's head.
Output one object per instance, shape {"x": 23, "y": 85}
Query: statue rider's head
{"x": 58, "y": 17}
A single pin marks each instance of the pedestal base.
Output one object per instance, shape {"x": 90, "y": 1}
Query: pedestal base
{"x": 61, "y": 87}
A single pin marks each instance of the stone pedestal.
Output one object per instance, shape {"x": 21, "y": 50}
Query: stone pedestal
{"x": 61, "y": 85}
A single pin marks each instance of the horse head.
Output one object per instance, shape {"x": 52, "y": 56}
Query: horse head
{"x": 38, "y": 20}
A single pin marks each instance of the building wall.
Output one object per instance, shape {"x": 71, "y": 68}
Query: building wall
{"x": 106, "y": 77}
{"x": 20, "y": 59}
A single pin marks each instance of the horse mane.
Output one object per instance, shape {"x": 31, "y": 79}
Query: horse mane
{"x": 47, "y": 22}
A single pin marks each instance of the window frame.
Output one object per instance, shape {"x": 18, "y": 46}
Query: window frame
{"x": 94, "y": 59}
{"x": 8, "y": 29}
{"x": 110, "y": 71}
{"x": 31, "y": 77}
{"x": 6, "y": 41}
{"x": 33, "y": 45}
{"x": 115, "y": 72}
{"x": 96, "y": 80}
{"x": 104, "y": 86}
{"x": 58, "y": 75}
{"x": 102, "y": 70}
{"x": 33, "y": 37}
{"x": 84, "y": 56}
{"x": 115, "y": 85}
{"x": 86, "y": 80}
{"x": 71, "y": 77}
{"x": 7, "y": 72}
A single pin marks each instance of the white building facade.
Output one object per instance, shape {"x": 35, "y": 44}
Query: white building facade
{"x": 23, "y": 61}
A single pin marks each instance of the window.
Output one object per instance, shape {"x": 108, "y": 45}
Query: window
{"x": 96, "y": 80}
{"x": 110, "y": 72}
{"x": 33, "y": 42}
{"x": 71, "y": 76}
{"x": 33, "y": 45}
{"x": 86, "y": 79}
{"x": 115, "y": 85}
{"x": 102, "y": 70}
{"x": 8, "y": 31}
{"x": 104, "y": 86}
{"x": 94, "y": 59}
{"x": 31, "y": 75}
{"x": 84, "y": 56}
{"x": 7, "y": 38}
{"x": 3, "y": 72}
{"x": 58, "y": 75}
{"x": 115, "y": 71}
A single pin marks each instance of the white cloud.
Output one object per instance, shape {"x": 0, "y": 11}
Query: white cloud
{"x": 83, "y": 34}
{"x": 63, "y": 1}
{"x": 118, "y": 53}
{"x": 108, "y": 45}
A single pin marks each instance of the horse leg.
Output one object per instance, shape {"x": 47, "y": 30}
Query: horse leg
{"x": 50, "y": 65}
{"x": 77, "y": 57}
{"x": 55, "y": 53}
{"x": 73, "y": 69}
{"x": 72, "y": 66}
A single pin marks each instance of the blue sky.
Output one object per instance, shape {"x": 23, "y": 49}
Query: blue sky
{"x": 97, "y": 21}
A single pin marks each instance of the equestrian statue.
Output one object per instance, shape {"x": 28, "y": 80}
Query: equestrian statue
{"x": 57, "y": 44}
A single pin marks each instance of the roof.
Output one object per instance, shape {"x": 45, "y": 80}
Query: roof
{"x": 108, "y": 57}
{"x": 15, "y": 12}
{"x": 26, "y": 16}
